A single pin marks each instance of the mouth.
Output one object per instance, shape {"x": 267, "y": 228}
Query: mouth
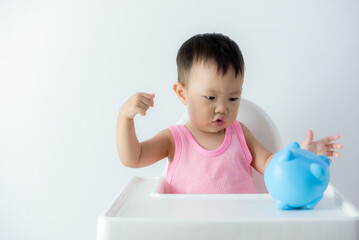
{"x": 219, "y": 122}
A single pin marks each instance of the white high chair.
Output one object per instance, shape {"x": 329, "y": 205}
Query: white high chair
{"x": 143, "y": 210}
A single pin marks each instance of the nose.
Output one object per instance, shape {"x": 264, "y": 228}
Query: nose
{"x": 221, "y": 108}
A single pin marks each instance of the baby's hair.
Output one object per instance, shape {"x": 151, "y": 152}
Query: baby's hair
{"x": 206, "y": 47}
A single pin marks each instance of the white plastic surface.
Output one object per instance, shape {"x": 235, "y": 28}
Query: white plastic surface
{"x": 144, "y": 210}
{"x": 140, "y": 212}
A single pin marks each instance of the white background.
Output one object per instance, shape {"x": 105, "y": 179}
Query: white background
{"x": 67, "y": 66}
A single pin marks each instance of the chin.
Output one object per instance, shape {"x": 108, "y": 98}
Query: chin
{"x": 216, "y": 129}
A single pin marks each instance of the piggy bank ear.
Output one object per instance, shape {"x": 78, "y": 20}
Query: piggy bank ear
{"x": 292, "y": 145}
{"x": 317, "y": 170}
{"x": 285, "y": 155}
{"x": 325, "y": 159}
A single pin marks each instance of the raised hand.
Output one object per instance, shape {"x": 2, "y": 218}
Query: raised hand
{"x": 139, "y": 103}
{"x": 325, "y": 146}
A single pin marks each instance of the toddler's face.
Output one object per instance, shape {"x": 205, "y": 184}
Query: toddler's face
{"x": 212, "y": 99}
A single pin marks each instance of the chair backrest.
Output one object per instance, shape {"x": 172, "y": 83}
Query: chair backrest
{"x": 261, "y": 126}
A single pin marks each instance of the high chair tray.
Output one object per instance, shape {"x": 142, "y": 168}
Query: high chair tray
{"x": 139, "y": 212}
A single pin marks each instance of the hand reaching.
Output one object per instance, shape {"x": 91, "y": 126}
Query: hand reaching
{"x": 324, "y": 146}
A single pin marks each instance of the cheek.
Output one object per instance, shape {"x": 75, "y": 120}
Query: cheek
{"x": 197, "y": 110}
{"x": 234, "y": 111}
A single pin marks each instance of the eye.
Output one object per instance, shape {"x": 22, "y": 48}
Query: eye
{"x": 233, "y": 99}
{"x": 210, "y": 97}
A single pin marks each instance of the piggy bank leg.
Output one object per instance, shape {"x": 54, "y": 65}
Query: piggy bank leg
{"x": 281, "y": 205}
{"x": 313, "y": 203}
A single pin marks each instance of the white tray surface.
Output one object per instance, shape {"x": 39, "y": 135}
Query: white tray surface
{"x": 141, "y": 201}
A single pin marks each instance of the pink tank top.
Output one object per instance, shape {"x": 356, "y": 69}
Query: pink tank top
{"x": 195, "y": 170}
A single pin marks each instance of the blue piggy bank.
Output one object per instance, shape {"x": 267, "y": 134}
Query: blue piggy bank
{"x": 297, "y": 178}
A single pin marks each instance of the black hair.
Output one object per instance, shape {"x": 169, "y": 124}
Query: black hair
{"x": 209, "y": 46}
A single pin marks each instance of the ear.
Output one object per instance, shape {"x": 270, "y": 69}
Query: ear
{"x": 180, "y": 91}
{"x": 317, "y": 171}
{"x": 285, "y": 156}
{"x": 292, "y": 145}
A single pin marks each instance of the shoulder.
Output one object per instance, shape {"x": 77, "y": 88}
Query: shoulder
{"x": 162, "y": 140}
{"x": 247, "y": 133}
{"x": 241, "y": 129}
{"x": 245, "y": 129}
{"x": 166, "y": 135}
{"x": 168, "y": 138}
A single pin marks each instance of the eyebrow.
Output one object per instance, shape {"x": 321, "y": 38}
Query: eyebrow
{"x": 237, "y": 92}
{"x": 212, "y": 90}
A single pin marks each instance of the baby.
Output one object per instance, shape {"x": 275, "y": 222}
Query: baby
{"x": 212, "y": 152}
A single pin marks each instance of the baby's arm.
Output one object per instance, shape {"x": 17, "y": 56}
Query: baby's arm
{"x": 260, "y": 155}
{"x": 132, "y": 153}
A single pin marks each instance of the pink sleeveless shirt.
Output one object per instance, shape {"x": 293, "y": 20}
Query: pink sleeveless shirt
{"x": 195, "y": 170}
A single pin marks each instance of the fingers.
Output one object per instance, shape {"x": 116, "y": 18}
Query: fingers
{"x": 308, "y": 139}
{"x": 330, "y": 139}
{"x": 143, "y": 102}
{"x": 333, "y": 154}
{"x": 147, "y": 99}
{"x": 330, "y": 146}
{"x": 139, "y": 103}
{"x": 325, "y": 146}
{"x": 310, "y": 136}
{"x": 334, "y": 146}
